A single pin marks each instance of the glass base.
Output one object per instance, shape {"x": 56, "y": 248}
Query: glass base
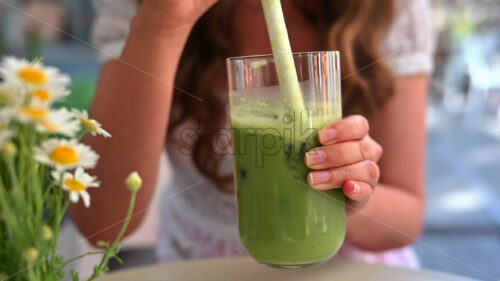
{"x": 293, "y": 266}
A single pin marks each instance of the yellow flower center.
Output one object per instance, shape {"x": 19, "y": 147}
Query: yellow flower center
{"x": 75, "y": 185}
{"x": 64, "y": 155}
{"x": 33, "y": 75}
{"x": 50, "y": 126}
{"x": 34, "y": 113}
{"x": 43, "y": 95}
{"x": 92, "y": 126}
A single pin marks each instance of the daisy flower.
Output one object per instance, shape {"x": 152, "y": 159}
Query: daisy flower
{"x": 59, "y": 121}
{"x": 90, "y": 125}
{"x": 49, "y": 95}
{"x": 10, "y": 95}
{"x": 65, "y": 154}
{"x": 32, "y": 112}
{"x": 31, "y": 74}
{"x": 76, "y": 184}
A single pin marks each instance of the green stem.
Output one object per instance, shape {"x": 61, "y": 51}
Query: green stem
{"x": 31, "y": 274}
{"x": 59, "y": 217}
{"x": 35, "y": 176}
{"x": 84, "y": 255}
{"x": 113, "y": 249}
{"x": 38, "y": 179}
{"x": 60, "y": 209}
{"x": 129, "y": 217}
{"x": 7, "y": 208}
{"x": 81, "y": 134}
{"x": 12, "y": 173}
{"x": 50, "y": 188}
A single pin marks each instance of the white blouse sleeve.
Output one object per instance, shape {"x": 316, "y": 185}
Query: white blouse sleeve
{"x": 112, "y": 26}
{"x": 409, "y": 45}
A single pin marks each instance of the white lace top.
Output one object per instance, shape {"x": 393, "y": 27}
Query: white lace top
{"x": 200, "y": 221}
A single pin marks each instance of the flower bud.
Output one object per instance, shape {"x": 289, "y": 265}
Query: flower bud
{"x": 9, "y": 150}
{"x": 47, "y": 232}
{"x": 30, "y": 255}
{"x": 134, "y": 182}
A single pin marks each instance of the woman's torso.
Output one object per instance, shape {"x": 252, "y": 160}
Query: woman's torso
{"x": 198, "y": 220}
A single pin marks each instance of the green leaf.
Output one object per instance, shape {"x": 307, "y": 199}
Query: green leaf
{"x": 75, "y": 276}
{"x": 119, "y": 259}
{"x": 101, "y": 243}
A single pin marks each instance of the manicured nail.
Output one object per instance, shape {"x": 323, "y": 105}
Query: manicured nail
{"x": 356, "y": 188}
{"x": 315, "y": 157}
{"x": 319, "y": 177}
{"x": 327, "y": 135}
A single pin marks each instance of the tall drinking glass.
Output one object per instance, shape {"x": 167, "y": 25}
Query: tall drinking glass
{"x": 282, "y": 221}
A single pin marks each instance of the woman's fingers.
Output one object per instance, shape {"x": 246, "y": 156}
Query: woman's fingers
{"x": 342, "y": 154}
{"x": 354, "y": 127}
{"x": 359, "y": 193}
{"x": 357, "y": 190}
{"x": 347, "y": 159}
{"x": 365, "y": 171}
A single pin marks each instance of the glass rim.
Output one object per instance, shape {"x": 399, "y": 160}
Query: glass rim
{"x": 232, "y": 59}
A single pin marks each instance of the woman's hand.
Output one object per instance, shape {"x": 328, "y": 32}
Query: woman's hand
{"x": 174, "y": 14}
{"x": 347, "y": 158}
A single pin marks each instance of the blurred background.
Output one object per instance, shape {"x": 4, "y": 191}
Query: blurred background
{"x": 462, "y": 233}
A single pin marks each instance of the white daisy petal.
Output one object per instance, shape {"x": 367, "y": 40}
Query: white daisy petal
{"x": 80, "y": 113}
{"x": 84, "y": 177}
{"x": 86, "y": 198}
{"x": 103, "y": 133}
{"x": 79, "y": 172}
{"x": 40, "y": 156}
{"x": 56, "y": 176}
{"x": 73, "y": 196}
{"x": 89, "y": 180}
{"x": 95, "y": 184}
{"x": 88, "y": 157}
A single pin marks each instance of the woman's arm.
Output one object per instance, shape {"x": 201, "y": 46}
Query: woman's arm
{"x": 398, "y": 201}
{"x": 133, "y": 102}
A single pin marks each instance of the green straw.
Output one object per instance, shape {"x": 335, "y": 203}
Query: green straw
{"x": 283, "y": 56}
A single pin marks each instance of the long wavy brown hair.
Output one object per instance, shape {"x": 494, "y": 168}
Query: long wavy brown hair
{"x": 354, "y": 27}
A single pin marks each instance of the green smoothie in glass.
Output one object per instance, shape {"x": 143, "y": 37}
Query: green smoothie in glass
{"x": 283, "y": 222}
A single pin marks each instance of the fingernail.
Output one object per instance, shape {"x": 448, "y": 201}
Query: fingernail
{"x": 327, "y": 135}
{"x": 315, "y": 157}
{"x": 319, "y": 177}
{"x": 356, "y": 188}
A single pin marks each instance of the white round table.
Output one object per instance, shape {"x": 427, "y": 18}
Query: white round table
{"x": 246, "y": 269}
